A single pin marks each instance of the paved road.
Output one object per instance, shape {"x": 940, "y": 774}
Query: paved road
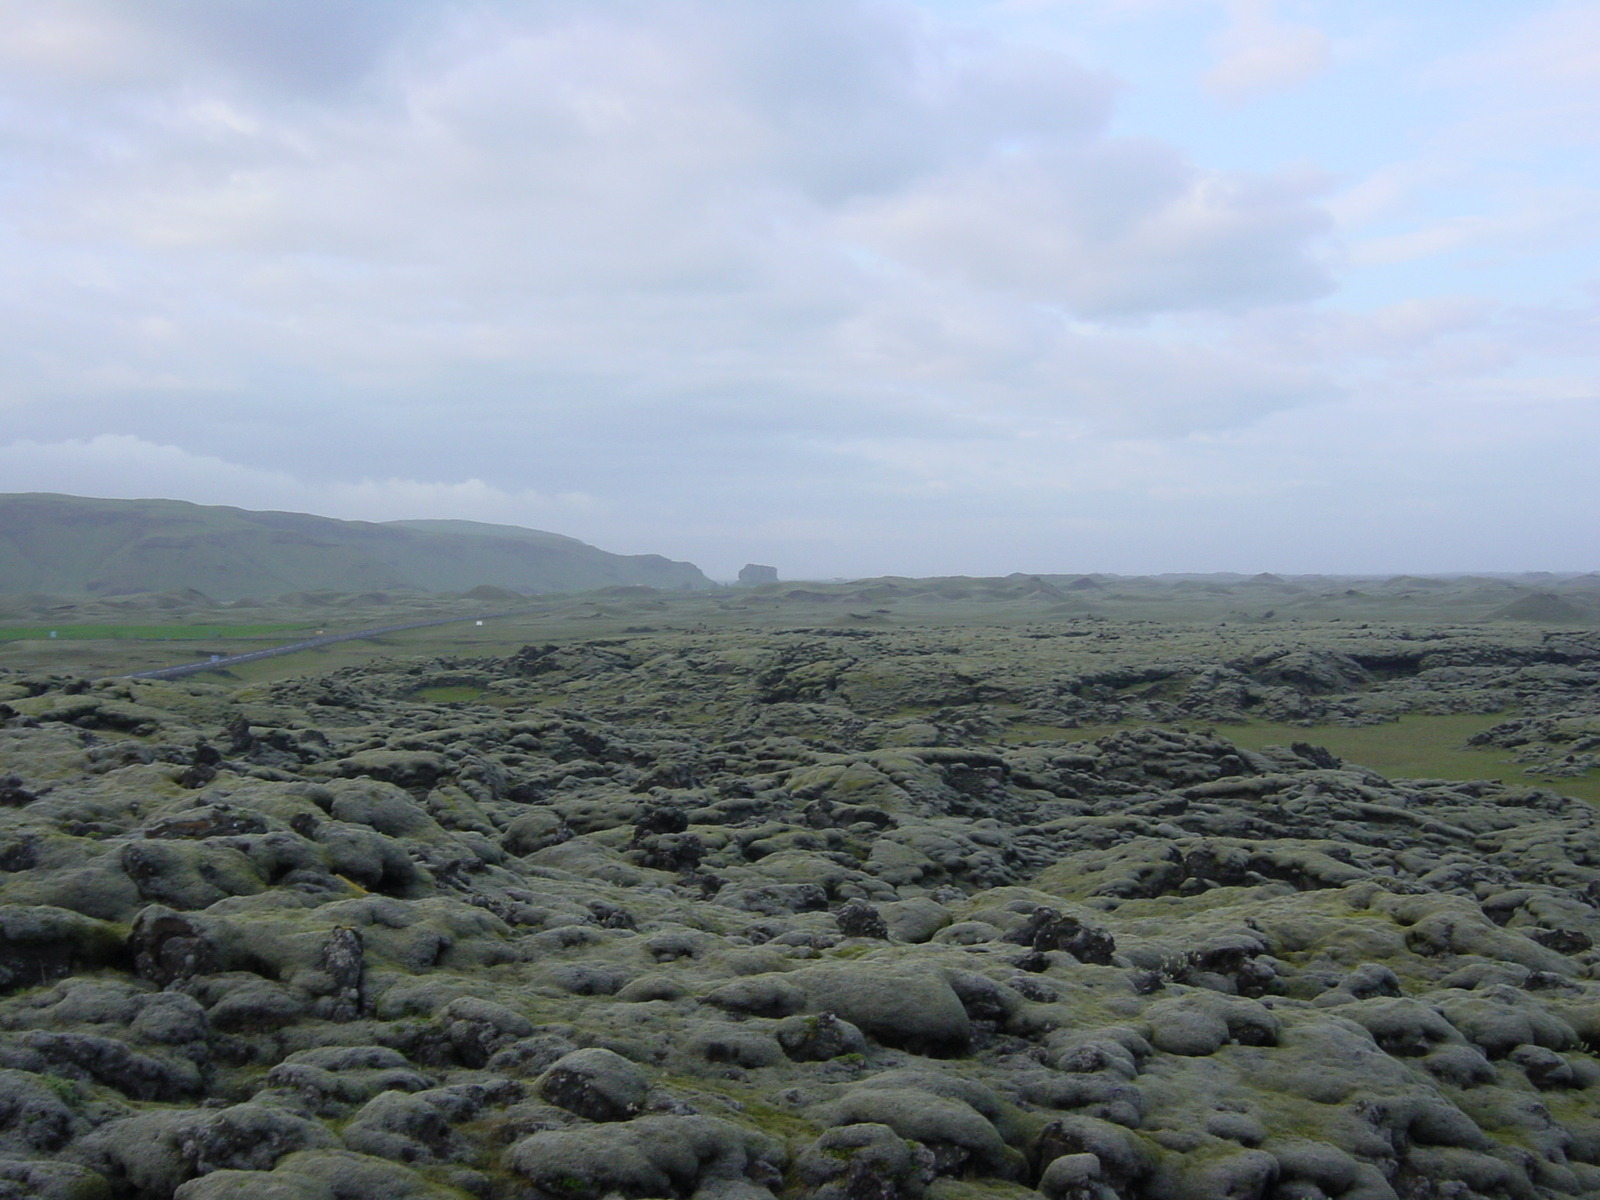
{"x": 227, "y": 660}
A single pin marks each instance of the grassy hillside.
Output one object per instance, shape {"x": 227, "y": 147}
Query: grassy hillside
{"x": 75, "y": 546}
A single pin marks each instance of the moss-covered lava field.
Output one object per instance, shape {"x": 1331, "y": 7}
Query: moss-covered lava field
{"x": 845, "y": 911}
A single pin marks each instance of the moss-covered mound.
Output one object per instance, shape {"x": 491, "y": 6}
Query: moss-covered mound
{"x": 784, "y": 916}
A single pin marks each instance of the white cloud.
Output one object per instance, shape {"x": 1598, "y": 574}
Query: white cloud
{"x": 1258, "y": 53}
{"x": 609, "y": 205}
{"x": 1528, "y": 220}
{"x": 1040, "y": 370}
{"x": 1388, "y": 190}
{"x": 1342, "y": 339}
{"x": 841, "y": 272}
{"x": 120, "y": 466}
{"x": 1535, "y": 84}
{"x": 1122, "y": 227}
{"x": 1502, "y": 178}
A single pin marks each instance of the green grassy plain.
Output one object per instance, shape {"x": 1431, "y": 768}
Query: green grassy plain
{"x": 157, "y": 633}
{"x": 1415, "y": 746}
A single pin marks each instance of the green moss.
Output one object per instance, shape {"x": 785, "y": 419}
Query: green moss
{"x": 978, "y": 1189}
{"x": 448, "y": 695}
{"x": 780, "y": 1124}
{"x": 69, "y": 1091}
{"x": 1292, "y": 1116}
{"x": 745, "y": 1106}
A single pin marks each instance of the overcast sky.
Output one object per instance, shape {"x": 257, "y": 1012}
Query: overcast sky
{"x": 845, "y": 286}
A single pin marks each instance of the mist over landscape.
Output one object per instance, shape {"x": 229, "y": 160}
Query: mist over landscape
{"x": 845, "y": 600}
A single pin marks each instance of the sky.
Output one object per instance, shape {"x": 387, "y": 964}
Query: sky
{"x": 847, "y": 287}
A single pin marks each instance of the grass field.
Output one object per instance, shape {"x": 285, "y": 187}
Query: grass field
{"x": 101, "y": 654}
{"x": 162, "y": 633}
{"x": 1417, "y": 746}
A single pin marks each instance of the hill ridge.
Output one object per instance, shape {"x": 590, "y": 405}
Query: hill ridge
{"x": 87, "y": 546}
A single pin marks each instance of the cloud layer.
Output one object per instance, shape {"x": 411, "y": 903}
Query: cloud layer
{"x": 699, "y": 276}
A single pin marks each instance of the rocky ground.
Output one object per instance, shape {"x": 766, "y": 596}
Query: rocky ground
{"x": 836, "y": 914}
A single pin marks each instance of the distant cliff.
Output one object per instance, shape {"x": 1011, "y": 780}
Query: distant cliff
{"x": 71, "y": 545}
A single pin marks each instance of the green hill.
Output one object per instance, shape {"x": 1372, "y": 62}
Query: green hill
{"x": 1542, "y": 606}
{"x": 75, "y": 546}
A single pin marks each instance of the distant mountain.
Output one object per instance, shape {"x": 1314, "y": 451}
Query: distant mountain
{"x": 75, "y": 546}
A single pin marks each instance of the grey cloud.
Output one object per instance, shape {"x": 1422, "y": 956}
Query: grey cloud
{"x": 705, "y": 249}
{"x": 860, "y": 108}
{"x": 300, "y": 48}
{"x": 1115, "y": 227}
